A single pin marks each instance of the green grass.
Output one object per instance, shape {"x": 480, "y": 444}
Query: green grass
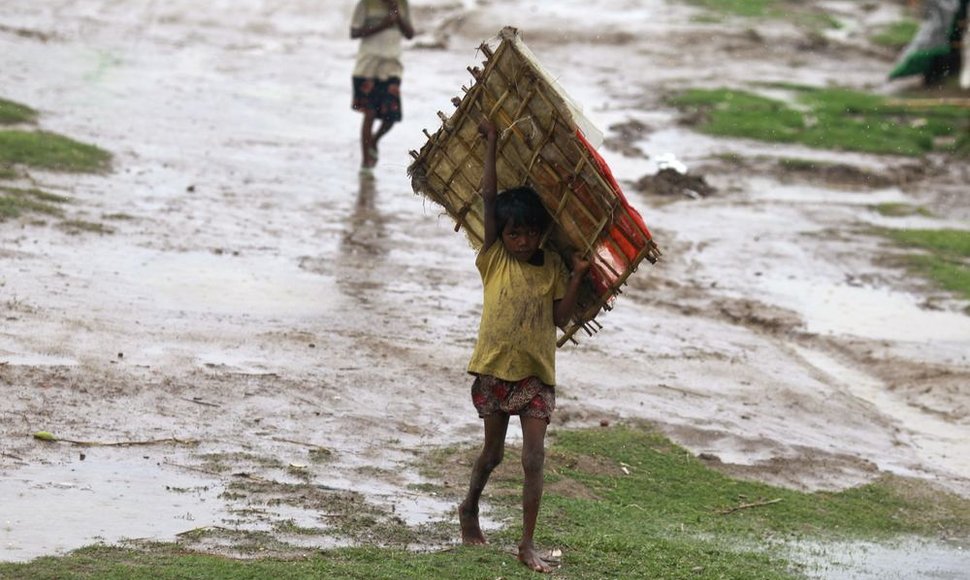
{"x": 120, "y": 216}
{"x": 665, "y": 517}
{"x": 774, "y": 9}
{"x": 677, "y": 492}
{"x": 946, "y": 259}
{"x": 14, "y": 202}
{"x": 951, "y": 243}
{"x": 43, "y": 150}
{"x": 816, "y": 21}
{"x": 12, "y": 113}
{"x": 901, "y": 210}
{"x": 829, "y": 118}
{"x": 896, "y": 35}
{"x": 76, "y": 227}
{"x": 795, "y": 164}
{"x": 748, "y": 8}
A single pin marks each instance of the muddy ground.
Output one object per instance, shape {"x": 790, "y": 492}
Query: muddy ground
{"x": 286, "y": 341}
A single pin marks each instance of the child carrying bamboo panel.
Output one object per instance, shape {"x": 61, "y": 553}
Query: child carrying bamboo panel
{"x": 527, "y": 294}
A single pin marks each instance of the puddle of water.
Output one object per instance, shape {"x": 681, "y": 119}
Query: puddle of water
{"x": 821, "y": 296}
{"x": 944, "y": 442}
{"x": 866, "y": 312}
{"x": 415, "y": 508}
{"x": 51, "y": 509}
{"x": 768, "y": 190}
{"x": 198, "y": 281}
{"x": 906, "y": 559}
{"x": 264, "y": 518}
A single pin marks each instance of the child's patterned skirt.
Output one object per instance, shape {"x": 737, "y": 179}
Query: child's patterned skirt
{"x": 381, "y": 96}
{"x": 529, "y": 397}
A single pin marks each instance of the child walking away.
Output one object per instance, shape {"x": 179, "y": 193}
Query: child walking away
{"x": 527, "y": 294}
{"x": 379, "y": 24}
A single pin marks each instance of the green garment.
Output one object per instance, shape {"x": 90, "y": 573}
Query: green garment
{"x": 935, "y": 38}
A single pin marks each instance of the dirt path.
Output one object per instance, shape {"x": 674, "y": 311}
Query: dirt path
{"x": 307, "y": 328}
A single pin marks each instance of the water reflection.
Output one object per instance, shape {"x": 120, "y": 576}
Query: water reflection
{"x": 363, "y": 247}
{"x": 365, "y": 235}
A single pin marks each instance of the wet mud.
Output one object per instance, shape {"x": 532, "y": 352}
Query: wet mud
{"x": 309, "y": 329}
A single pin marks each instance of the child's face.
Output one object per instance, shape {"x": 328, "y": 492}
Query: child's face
{"x": 521, "y": 241}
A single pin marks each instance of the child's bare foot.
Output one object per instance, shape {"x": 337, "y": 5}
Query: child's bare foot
{"x": 471, "y": 532}
{"x": 529, "y": 557}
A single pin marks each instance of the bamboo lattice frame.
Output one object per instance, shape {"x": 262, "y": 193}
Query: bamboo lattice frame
{"x": 541, "y": 144}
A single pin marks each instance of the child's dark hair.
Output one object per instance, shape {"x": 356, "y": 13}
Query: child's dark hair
{"x": 522, "y": 207}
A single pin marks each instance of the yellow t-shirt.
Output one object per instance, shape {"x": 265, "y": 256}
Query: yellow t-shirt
{"x": 517, "y": 335}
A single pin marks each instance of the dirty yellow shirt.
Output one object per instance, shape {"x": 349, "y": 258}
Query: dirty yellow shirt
{"x": 517, "y": 335}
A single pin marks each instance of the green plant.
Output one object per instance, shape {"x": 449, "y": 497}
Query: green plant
{"x": 12, "y": 113}
{"x": 50, "y": 151}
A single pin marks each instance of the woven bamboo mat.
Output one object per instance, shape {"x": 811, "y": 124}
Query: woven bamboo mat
{"x": 542, "y": 143}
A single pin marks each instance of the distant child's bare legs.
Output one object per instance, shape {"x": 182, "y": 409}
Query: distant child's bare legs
{"x": 382, "y": 130}
{"x": 533, "y": 459}
{"x": 491, "y": 456}
{"x": 367, "y": 143}
{"x": 369, "y": 138}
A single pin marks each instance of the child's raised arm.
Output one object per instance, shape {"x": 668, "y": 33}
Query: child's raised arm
{"x": 489, "y": 183}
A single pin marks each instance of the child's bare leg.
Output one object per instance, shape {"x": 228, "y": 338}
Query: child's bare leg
{"x": 367, "y": 141}
{"x": 533, "y": 458}
{"x": 382, "y": 130}
{"x": 492, "y": 451}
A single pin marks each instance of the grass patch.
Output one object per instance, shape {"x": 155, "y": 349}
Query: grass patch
{"x": 76, "y": 227}
{"x": 828, "y": 118}
{"x": 896, "y": 35}
{"x": 707, "y": 19}
{"x": 901, "y": 210}
{"x": 648, "y": 509}
{"x": 816, "y": 21}
{"x": 795, "y": 164}
{"x": 227, "y": 461}
{"x": 320, "y": 454}
{"x": 291, "y": 527}
{"x": 118, "y": 216}
{"x": 832, "y": 174}
{"x": 949, "y": 243}
{"x": 347, "y": 514}
{"x": 947, "y": 257}
{"x": 14, "y": 202}
{"x": 44, "y": 150}
{"x": 962, "y": 145}
{"x": 776, "y": 9}
{"x": 950, "y": 275}
{"x": 676, "y": 491}
{"x": 748, "y": 8}
{"x": 12, "y": 113}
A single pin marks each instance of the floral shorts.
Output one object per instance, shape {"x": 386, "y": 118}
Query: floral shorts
{"x": 529, "y": 397}
{"x": 382, "y": 97}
